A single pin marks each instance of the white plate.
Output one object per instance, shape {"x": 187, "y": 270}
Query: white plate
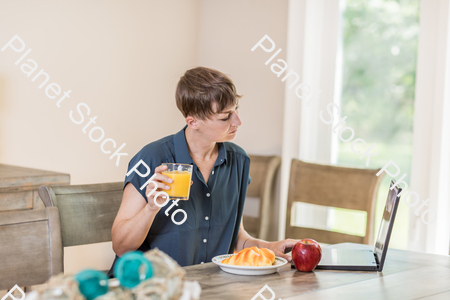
{"x": 244, "y": 270}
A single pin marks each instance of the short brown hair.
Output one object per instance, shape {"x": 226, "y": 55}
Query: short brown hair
{"x": 199, "y": 88}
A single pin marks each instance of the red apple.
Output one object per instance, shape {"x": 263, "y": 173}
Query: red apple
{"x": 306, "y": 255}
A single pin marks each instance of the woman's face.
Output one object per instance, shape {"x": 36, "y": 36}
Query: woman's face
{"x": 222, "y": 126}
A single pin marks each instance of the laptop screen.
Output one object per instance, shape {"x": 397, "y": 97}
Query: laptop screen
{"x": 387, "y": 222}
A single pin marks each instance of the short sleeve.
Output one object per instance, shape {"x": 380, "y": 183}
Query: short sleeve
{"x": 249, "y": 179}
{"x": 142, "y": 166}
{"x": 140, "y": 169}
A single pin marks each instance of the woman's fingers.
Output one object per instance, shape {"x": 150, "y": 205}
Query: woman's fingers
{"x": 160, "y": 186}
{"x": 281, "y": 254}
{"x": 160, "y": 169}
{"x": 286, "y": 257}
{"x": 161, "y": 177}
{"x": 161, "y": 199}
{"x": 164, "y": 178}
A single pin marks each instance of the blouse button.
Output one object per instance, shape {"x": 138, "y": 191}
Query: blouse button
{"x": 206, "y": 218}
{"x": 207, "y": 195}
{"x": 202, "y": 263}
{"x": 213, "y": 172}
{"x": 204, "y": 241}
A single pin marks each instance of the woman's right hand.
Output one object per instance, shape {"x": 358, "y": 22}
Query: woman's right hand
{"x": 160, "y": 181}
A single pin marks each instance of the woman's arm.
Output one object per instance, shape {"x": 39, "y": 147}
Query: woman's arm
{"x": 279, "y": 248}
{"x": 244, "y": 237}
{"x": 132, "y": 223}
{"x": 136, "y": 216}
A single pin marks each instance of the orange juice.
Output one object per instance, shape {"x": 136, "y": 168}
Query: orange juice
{"x": 180, "y": 186}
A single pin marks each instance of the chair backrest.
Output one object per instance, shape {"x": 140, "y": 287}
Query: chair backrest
{"x": 349, "y": 188}
{"x": 87, "y": 212}
{"x": 263, "y": 170}
{"x": 30, "y": 247}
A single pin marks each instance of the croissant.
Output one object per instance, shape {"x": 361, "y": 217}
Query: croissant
{"x": 251, "y": 257}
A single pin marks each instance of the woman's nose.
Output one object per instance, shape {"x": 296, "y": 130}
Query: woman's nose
{"x": 237, "y": 120}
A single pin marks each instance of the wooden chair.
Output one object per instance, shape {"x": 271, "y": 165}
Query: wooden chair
{"x": 263, "y": 170}
{"x": 332, "y": 186}
{"x": 30, "y": 248}
{"x": 87, "y": 212}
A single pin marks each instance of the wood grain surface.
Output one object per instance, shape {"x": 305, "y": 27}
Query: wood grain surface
{"x": 406, "y": 275}
{"x": 14, "y": 176}
{"x": 18, "y": 186}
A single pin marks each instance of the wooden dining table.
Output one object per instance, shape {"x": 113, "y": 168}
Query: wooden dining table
{"x": 406, "y": 275}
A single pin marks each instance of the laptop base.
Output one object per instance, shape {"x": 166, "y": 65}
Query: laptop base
{"x": 348, "y": 260}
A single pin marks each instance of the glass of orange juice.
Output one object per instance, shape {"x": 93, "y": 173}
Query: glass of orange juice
{"x": 181, "y": 175}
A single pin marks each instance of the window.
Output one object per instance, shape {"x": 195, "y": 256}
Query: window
{"x": 379, "y": 48}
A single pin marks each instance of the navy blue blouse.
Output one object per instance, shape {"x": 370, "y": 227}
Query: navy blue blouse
{"x": 214, "y": 208}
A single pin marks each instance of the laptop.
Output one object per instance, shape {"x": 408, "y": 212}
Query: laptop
{"x": 365, "y": 260}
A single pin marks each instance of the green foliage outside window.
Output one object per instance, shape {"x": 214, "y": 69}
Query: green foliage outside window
{"x": 379, "y": 69}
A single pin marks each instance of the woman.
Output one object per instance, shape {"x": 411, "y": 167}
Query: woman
{"x": 208, "y": 101}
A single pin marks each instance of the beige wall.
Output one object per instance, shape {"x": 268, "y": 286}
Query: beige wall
{"x": 123, "y": 59}
{"x": 227, "y": 33}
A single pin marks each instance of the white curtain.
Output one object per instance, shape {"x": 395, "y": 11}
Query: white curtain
{"x": 431, "y": 149}
{"x": 312, "y": 52}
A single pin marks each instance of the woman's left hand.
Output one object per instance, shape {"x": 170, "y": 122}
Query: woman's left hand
{"x": 282, "y": 247}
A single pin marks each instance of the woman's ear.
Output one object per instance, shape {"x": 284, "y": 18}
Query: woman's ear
{"x": 191, "y": 122}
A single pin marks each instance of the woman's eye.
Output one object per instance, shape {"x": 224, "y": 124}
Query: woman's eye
{"x": 226, "y": 118}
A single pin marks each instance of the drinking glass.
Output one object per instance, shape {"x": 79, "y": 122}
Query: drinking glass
{"x": 181, "y": 175}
